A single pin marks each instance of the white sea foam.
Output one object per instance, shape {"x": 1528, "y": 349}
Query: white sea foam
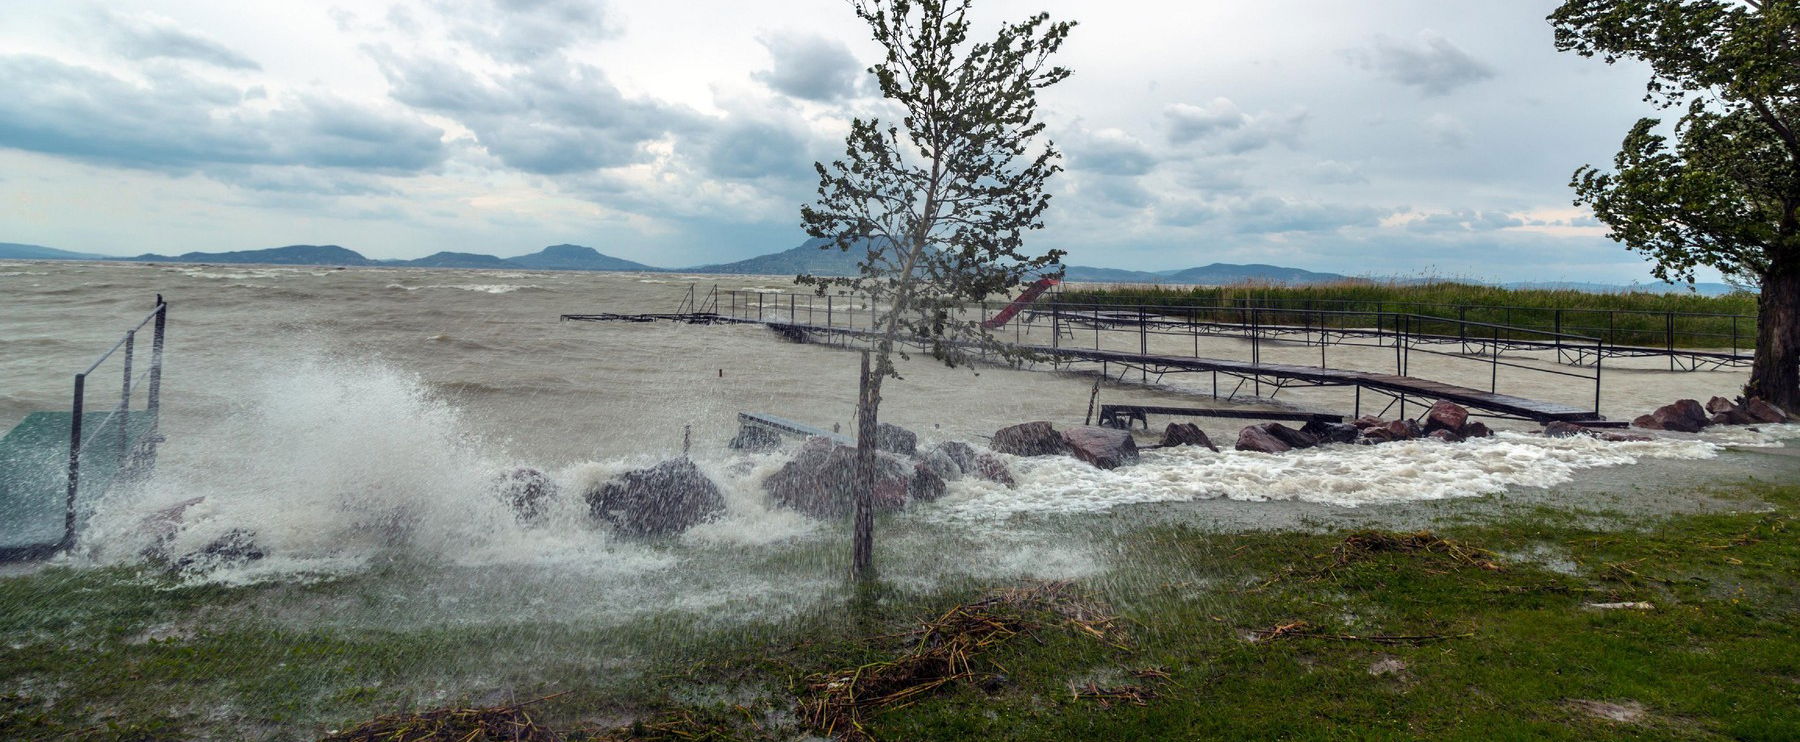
{"x": 485, "y": 288}
{"x": 1338, "y": 475}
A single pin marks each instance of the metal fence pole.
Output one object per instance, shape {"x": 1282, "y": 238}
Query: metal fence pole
{"x": 125, "y": 396}
{"x": 74, "y": 461}
{"x": 154, "y": 403}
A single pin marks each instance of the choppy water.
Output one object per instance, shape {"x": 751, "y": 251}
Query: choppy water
{"x": 350, "y": 415}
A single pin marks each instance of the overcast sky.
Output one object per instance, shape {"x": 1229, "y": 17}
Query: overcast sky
{"x": 1429, "y": 137}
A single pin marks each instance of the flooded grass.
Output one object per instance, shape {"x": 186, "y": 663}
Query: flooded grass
{"x": 1681, "y": 626}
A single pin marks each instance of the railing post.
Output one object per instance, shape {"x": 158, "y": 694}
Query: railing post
{"x": 828, "y": 310}
{"x": 154, "y": 402}
{"x": 1669, "y": 338}
{"x": 1598, "y": 359}
{"x": 1557, "y": 321}
{"x": 74, "y": 461}
{"x": 125, "y": 396}
{"x": 759, "y": 306}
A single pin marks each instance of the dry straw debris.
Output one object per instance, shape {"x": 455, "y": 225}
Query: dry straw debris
{"x": 511, "y": 723}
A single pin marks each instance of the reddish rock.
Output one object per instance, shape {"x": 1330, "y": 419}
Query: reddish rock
{"x": 1331, "y": 432}
{"x": 926, "y": 485}
{"x": 1029, "y": 439}
{"x": 1186, "y": 434}
{"x": 1293, "y": 438}
{"x": 1560, "y": 429}
{"x": 821, "y": 481}
{"x": 1647, "y": 422}
{"x": 1624, "y": 438}
{"x": 1763, "y": 412}
{"x": 1105, "y": 448}
{"x": 1255, "y": 438}
{"x": 1719, "y": 404}
{"x": 1444, "y": 435}
{"x": 992, "y": 469}
{"x": 1693, "y": 410}
{"x": 1446, "y": 416}
{"x": 1398, "y": 430}
{"x": 1680, "y": 418}
{"x": 1476, "y": 429}
{"x": 1368, "y": 421}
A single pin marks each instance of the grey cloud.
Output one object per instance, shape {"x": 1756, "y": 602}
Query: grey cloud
{"x": 1274, "y": 215}
{"x": 1332, "y": 172}
{"x": 1445, "y": 130}
{"x": 557, "y": 116}
{"x": 1464, "y": 221}
{"x": 1228, "y": 129}
{"x": 756, "y": 149}
{"x": 1432, "y": 64}
{"x": 140, "y": 37}
{"x": 524, "y": 31}
{"x": 1111, "y": 153}
{"x": 810, "y": 67}
{"x": 183, "y": 124}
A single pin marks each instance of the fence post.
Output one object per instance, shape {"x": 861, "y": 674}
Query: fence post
{"x": 125, "y": 396}
{"x": 1669, "y": 338}
{"x": 154, "y": 403}
{"x": 74, "y": 461}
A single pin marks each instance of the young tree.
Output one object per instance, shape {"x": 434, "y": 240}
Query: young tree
{"x": 939, "y": 205}
{"x": 1726, "y": 194}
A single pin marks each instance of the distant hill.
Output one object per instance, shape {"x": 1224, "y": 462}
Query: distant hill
{"x": 16, "y": 251}
{"x": 290, "y": 255}
{"x": 1229, "y": 273}
{"x": 1701, "y": 288}
{"x": 457, "y": 260}
{"x": 576, "y": 258}
{"x": 809, "y": 258}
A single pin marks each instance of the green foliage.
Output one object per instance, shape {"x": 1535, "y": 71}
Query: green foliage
{"x": 940, "y": 204}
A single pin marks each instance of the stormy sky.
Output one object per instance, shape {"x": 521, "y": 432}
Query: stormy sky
{"x": 1429, "y": 137}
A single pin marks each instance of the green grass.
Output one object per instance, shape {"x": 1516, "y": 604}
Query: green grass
{"x": 1626, "y": 318}
{"x": 1718, "y": 657}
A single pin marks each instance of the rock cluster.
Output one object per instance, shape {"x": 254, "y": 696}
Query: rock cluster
{"x": 1445, "y": 421}
{"x": 1689, "y": 416}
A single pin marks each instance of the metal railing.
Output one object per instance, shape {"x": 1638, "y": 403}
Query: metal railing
{"x": 1105, "y": 325}
{"x": 115, "y": 428}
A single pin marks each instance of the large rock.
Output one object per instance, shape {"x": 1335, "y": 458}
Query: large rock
{"x": 1186, "y": 434}
{"x": 992, "y": 469}
{"x": 1105, "y": 448}
{"x": 940, "y": 464}
{"x": 667, "y": 498}
{"x": 1293, "y": 438}
{"x": 236, "y": 547}
{"x": 1726, "y": 413}
{"x": 1476, "y": 429}
{"x": 926, "y": 485}
{"x": 1764, "y": 412}
{"x": 820, "y": 481}
{"x": 1331, "y": 432}
{"x": 1647, "y": 422}
{"x": 1683, "y": 418}
{"x": 1368, "y": 421}
{"x": 528, "y": 492}
{"x": 957, "y": 451}
{"x": 1560, "y": 429}
{"x": 1255, "y": 438}
{"x": 1029, "y": 439}
{"x": 1446, "y": 416}
{"x": 1445, "y": 435}
{"x": 895, "y": 439}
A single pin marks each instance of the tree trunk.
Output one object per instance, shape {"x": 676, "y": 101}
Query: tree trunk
{"x": 1775, "y": 374}
{"x": 862, "y": 548}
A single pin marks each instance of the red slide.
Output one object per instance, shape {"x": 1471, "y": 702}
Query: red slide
{"x": 1031, "y": 294}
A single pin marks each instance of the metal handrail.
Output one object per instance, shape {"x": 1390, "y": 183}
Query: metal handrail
{"x": 153, "y": 405}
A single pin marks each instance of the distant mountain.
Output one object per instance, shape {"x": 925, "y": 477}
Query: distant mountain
{"x": 290, "y": 255}
{"x": 576, "y": 258}
{"x": 1215, "y": 274}
{"x": 1701, "y": 288}
{"x": 1090, "y": 274}
{"x": 16, "y": 251}
{"x": 457, "y": 260}
{"x": 810, "y": 258}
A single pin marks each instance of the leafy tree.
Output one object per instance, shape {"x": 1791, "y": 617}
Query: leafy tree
{"x": 938, "y": 205}
{"x": 1726, "y": 193}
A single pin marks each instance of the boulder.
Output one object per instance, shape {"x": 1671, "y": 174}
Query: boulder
{"x": 1680, "y": 418}
{"x": 667, "y": 498}
{"x": 1446, "y": 416}
{"x": 1476, "y": 429}
{"x": 940, "y": 464}
{"x": 1029, "y": 439}
{"x": 1255, "y": 438}
{"x": 1719, "y": 404}
{"x": 1368, "y": 421}
{"x": 1186, "y": 434}
{"x": 237, "y": 546}
{"x": 1445, "y": 435}
{"x": 1721, "y": 418}
{"x": 926, "y": 485}
{"x": 820, "y": 481}
{"x": 961, "y": 453}
{"x": 991, "y": 468}
{"x": 1624, "y": 438}
{"x": 1692, "y": 410}
{"x": 1647, "y": 422}
{"x": 755, "y": 439}
{"x": 895, "y": 439}
{"x": 527, "y": 491}
{"x": 1293, "y": 438}
{"x": 1413, "y": 427}
{"x": 1763, "y": 412}
{"x": 1398, "y": 430}
{"x": 1105, "y": 448}
{"x": 1326, "y": 432}
{"x": 1560, "y": 429}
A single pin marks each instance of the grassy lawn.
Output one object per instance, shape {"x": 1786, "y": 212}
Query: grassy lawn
{"x": 1482, "y": 631}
